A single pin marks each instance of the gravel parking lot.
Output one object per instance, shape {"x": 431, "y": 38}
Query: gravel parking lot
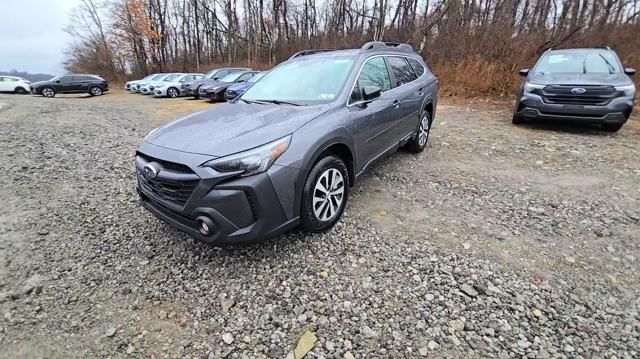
{"x": 496, "y": 241}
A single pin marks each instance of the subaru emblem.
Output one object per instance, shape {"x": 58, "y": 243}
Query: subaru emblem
{"x": 578, "y": 90}
{"x": 150, "y": 172}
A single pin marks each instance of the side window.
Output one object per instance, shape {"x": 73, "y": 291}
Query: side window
{"x": 402, "y": 72}
{"x": 417, "y": 66}
{"x": 11, "y": 79}
{"x": 66, "y": 79}
{"x": 2, "y": 79}
{"x": 374, "y": 73}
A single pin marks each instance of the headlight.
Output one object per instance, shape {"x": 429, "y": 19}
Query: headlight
{"x": 253, "y": 161}
{"x": 530, "y": 88}
{"x": 628, "y": 90}
{"x": 151, "y": 133}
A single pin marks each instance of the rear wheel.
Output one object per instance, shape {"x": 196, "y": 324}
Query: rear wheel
{"x": 421, "y": 137}
{"x": 95, "y": 91}
{"x": 325, "y": 195}
{"x": 172, "y": 92}
{"x": 612, "y": 127}
{"x": 20, "y": 90}
{"x": 48, "y": 92}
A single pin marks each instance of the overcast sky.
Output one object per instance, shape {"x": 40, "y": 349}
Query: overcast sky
{"x": 31, "y": 35}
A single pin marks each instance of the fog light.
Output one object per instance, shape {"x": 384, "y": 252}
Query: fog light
{"x": 205, "y": 225}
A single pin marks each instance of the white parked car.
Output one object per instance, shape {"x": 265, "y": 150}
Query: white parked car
{"x": 137, "y": 87}
{"x": 174, "y": 87}
{"x": 131, "y": 85}
{"x": 14, "y": 84}
{"x": 147, "y": 88}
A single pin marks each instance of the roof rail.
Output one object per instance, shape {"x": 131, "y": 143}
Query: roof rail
{"x": 309, "y": 52}
{"x": 381, "y": 45}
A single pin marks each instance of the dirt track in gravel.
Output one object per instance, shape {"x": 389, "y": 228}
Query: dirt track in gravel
{"x": 547, "y": 214}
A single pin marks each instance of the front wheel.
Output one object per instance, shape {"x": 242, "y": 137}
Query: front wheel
{"x": 48, "y": 92}
{"x": 196, "y": 93}
{"x": 421, "y": 137}
{"x": 325, "y": 195}
{"x": 517, "y": 119}
{"x": 172, "y": 92}
{"x": 95, "y": 91}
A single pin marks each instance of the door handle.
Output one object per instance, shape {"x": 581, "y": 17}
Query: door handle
{"x": 396, "y": 104}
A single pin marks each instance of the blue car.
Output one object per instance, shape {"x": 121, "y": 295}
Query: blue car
{"x": 238, "y": 89}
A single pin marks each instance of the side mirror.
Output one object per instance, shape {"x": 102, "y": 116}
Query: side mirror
{"x": 370, "y": 93}
{"x": 216, "y": 78}
{"x": 524, "y": 72}
{"x": 629, "y": 71}
{"x": 240, "y": 80}
{"x": 57, "y": 81}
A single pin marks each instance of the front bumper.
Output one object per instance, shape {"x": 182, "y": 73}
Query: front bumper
{"x": 160, "y": 92}
{"x": 241, "y": 209}
{"x": 617, "y": 111}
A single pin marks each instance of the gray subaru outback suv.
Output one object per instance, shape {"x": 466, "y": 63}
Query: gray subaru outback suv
{"x": 288, "y": 150}
{"x": 587, "y": 85}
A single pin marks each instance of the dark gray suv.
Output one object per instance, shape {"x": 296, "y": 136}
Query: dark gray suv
{"x": 287, "y": 151}
{"x": 586, "y": 85}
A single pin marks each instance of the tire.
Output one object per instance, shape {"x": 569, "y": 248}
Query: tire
{"x": 612, "y": 127}
{"x": 95, "y": 91}
{"x": 49, "y": 92}
{"x": 317, "y": 214}
{"x": 20, "y": 91}
{"x": 516, "y": 120}
{"x": 419, "y": 141}
{"x": 172, "y": 92}
{"x": 196, "y": 93}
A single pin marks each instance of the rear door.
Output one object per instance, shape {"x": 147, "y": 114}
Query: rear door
{"x": 4, "y": 83}
{"x": 408, "y": 94}
{"x": 374, "y": 120}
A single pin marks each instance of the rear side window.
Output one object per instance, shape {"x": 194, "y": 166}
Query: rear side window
{"x": 416, "y": 66}
{"x": 402, "y": 71}
{"x": 374, "y": 73}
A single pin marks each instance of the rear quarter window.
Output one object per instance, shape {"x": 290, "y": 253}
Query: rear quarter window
{"x": 416, "y": 66}
{"x": 402, "y": 71}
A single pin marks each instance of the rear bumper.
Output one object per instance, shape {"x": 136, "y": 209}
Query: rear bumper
{"x": 615, "y": 112}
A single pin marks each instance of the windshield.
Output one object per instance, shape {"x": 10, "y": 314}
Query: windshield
{"x": 149, "y": 77}
{"x": 158, "y": 77}
{"x": 210, "y": 74}
{"x": 311, "y": 80}
{"x": 578, "y": 62}
{"x": 257, "y": 77}
{"x": 170, "y": 77}
{"x": 231, "y": 77}
{"x": 56, "y": 78}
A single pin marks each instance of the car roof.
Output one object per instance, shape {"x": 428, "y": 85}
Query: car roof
{"x": 581, "y": 49}
{"x": 368, "y": 49}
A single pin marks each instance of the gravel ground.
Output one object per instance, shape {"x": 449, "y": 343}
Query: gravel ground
{"x": 496, "y": 241}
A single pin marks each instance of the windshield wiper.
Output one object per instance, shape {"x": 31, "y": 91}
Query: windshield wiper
{"x": 611, "y": 69}
{"x": 278, "y": 102}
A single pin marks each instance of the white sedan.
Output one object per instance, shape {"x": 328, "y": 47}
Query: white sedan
{"x": 14, "y": 84}
{"x": 172, "y": 87}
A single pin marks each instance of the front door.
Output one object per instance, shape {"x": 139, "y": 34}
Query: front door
{"x": 375, "y": 120}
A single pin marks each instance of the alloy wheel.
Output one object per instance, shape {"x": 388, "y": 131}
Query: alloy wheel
{"x": 328, "y": 195}
{"x": 172, "y": 92}
{"x": 423, "y": 131}
{"x": 96, "y": 91}
{"x": 47, "y": 92}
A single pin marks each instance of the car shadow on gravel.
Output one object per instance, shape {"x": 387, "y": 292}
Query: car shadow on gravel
{"x": 567, "y": 127}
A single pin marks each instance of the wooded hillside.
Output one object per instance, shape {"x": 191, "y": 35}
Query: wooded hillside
{"x": 474, "y": 46}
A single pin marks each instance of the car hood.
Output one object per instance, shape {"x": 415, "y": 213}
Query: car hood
{"x": 40, "y": 83}
{"x": 231, "y": 128}
{"x": 240, "y": 86}
{"x": 617, "y": 79}
{"x": 197, "y": 83}
{"x": 215, "y": 84}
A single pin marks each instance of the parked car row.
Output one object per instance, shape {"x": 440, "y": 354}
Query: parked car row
{"x": 214, "y": 85}
{"x": 288, "y": 149}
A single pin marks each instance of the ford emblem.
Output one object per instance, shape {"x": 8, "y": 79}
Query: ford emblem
{"x": 578, "y": 90}
{"x": 150, "y": 172}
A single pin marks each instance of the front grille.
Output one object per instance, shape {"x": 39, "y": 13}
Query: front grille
{"x": 594, "y": 95}
{"x": 163, "y": 186}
